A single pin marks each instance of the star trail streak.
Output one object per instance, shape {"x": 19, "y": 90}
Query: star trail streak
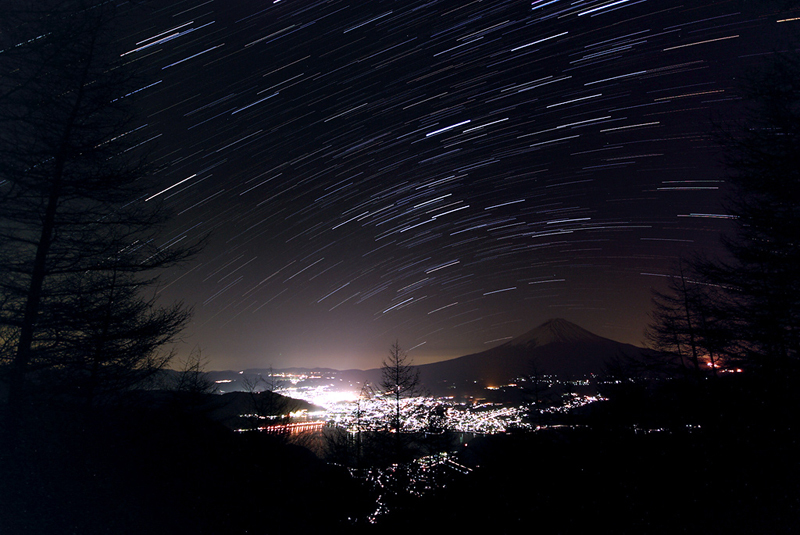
{"x": 445, "y": 173}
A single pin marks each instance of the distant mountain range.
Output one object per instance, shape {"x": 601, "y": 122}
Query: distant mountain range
{"x": 557, "y": 347}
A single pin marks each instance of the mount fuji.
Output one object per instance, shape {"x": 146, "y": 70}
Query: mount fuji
{"x": 557, "y": 347}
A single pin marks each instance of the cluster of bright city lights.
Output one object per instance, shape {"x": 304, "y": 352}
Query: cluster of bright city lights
{"x": 572, "y": 402}
{"x": 344, "y": 406}
{"x": 347, "y": 410}
{"x": 375, "y": 414}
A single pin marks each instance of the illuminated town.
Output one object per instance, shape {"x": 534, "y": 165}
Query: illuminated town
{"x": 346, "y": 407}
{"x": 437, "y": 427}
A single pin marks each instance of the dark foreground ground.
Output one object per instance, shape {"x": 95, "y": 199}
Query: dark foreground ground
{"x": 734, "y": 469}
{"x": 715, "y": 458}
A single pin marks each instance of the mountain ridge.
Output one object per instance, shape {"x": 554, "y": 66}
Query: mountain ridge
{"x": 556, "y": 347}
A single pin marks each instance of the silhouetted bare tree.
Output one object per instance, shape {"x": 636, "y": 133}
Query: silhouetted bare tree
{"x": 399, "y": 380}
{"x": 366, "y": 394}
{"x": 761, "y": 276}
{"x": 78, "y": 240}
{"x": 192, "y": 377}
{"x": 743, "y": 308}
{"x": 675, "y": 327}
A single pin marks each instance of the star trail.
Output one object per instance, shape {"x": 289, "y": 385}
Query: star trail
{"x": 448, "y": 174}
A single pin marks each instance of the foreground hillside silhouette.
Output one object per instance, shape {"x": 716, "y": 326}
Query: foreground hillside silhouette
{"x": 165, "y": 472}
{"x": 659, "y": 456}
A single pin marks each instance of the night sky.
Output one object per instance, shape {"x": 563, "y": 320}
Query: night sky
{"x": 446, "y": 173}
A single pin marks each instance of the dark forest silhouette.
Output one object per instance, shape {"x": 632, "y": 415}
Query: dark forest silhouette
{"x": 80, "y": 251}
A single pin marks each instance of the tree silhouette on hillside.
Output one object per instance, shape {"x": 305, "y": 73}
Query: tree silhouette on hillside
{"x": 399, "y": 380}
{"x": 79, "y": 243}
{"x": 744, "y": 307}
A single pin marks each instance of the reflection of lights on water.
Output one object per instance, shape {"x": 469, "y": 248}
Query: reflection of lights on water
{"x": 295, "y": 428}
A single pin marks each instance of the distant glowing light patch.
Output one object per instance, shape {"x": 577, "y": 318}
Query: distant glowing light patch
{"x": 322, "y": 396}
